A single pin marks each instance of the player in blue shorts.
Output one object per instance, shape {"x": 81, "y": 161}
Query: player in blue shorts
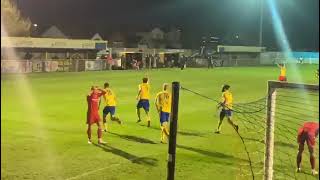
{"x": 163, "y": 105}
{"x": 110, "y": 106}
{"x": 143, "y": 97}
{"x": 226, "y": 111}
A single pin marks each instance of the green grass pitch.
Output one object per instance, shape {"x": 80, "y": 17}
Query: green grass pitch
{"x": 43, "y": 130}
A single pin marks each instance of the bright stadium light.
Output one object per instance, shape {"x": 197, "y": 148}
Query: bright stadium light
{"x": 282, "y": 41}
{"x": 281, "y": 36}
{"x": 279, "y": 29}
{"x": 35, "y": 25}
{"x": 36, "y": 123}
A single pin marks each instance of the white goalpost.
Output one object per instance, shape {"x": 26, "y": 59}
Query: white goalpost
{"x": 306, "y": 93}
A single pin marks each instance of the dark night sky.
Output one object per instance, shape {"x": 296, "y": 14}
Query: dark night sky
{"x": 82, "y": 18}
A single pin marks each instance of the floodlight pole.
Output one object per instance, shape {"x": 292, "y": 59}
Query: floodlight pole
{"x": 260, "y": 29}
{"x": 173, "y": 130}
{"x": 261, "y": 23}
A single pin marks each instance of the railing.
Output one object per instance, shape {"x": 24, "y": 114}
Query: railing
{"x": 64, "y": 65}
{"x": 78, "y": 65}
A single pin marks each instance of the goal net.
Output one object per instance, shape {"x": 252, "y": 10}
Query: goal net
{"x": 269, "y": 129}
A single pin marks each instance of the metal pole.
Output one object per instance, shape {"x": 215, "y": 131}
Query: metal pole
{"x": 261, "y": 23}
{"x": 173, "y": 130}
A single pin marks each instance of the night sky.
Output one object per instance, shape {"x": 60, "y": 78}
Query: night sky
{"x": 196, "y": 18}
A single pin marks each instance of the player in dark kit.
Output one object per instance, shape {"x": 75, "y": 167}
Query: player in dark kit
{"x": 307, "y": 133}
{"x": 93, "y": 99}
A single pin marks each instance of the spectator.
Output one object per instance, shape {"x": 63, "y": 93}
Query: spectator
{"x": 135, "y": 64}
{"x": 166, "y": 61}
{"x": 123, "y": 62}
{"x": 172, "y": 63}
{"x": 183, "y": 62}
{"x": 148, "y": 61}
{"x": 110, "y": 61}
{"x": 143, "y": 61}
{"x": 157, "y": 60}
{"x": 152, "y": 60}
{"x": 129, "y": 62}
{"x": 210, "y": 62}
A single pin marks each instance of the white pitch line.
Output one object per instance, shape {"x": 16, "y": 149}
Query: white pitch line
{"x": 100, "y": 169}
{"x": 90, "y": 172}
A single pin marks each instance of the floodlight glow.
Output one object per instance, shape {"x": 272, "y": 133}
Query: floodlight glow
{"x": 32, "y": 110}
{"x": 284, "y": 44}
{"x": 278, "y": 29}
{"x": 282, "y": 39}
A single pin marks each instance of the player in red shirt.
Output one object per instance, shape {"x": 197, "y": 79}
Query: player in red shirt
{"x": 93, "y": 99}
{"x": 307, "y": 133}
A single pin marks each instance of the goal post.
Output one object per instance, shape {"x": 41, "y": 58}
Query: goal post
{"x": 273, "y": 87}
{"x": 173, "y": 131}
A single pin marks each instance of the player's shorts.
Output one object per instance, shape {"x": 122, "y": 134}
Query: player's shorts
{"x": 227, "y": 112}
{"x": 143, "y": 103}
{"x": 164, "y": 117}
{"x": 92, "y": 117}
{"x": 109, "y": 109}
{"x": 282, "y": 78}
{"x": 305, "y": 137}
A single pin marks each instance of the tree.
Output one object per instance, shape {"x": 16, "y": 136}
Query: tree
{"x": 12, "y": 21}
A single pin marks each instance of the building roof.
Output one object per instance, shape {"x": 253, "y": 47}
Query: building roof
{"x": 53, "y": 32}
{"x": 96, "y": 36}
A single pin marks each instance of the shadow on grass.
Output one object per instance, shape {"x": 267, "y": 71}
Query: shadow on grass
{"x": 151, "y": 127}
{"x": 183, "y": 133}
{"x": 253, "y": 139}
{"x": 308, "y": 173}
{"x": 224, "y": 157}
{"x": 282, "y": 172}
{"x": 283, "y": 144}
{"x": 134, "y": 138}
{"x": 134, "y": 159}
{"x": 279, "y": 143}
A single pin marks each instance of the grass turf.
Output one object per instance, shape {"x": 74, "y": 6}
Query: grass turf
{"x": 43, "y": 130}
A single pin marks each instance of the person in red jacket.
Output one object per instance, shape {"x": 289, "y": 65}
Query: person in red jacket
{"x": 93, "y": 100}
{"x": 307, "y": 133}
{"x": 110, "y": 61}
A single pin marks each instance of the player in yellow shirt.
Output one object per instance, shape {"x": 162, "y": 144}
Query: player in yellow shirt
{"x": 110, "y": 106}
{"x": 143, "y": 99}
{"x": 283, "y": 72}
{"x": 163, "y": 105}
{"x": 226, "y": 104}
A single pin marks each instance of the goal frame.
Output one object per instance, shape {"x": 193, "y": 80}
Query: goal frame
{"x": 270, "y": 121}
